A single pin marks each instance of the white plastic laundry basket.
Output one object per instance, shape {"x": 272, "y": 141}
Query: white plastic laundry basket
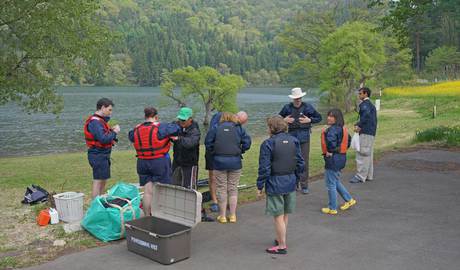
{"x": 69, "y": 206}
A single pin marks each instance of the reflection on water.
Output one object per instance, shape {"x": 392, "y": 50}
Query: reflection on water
{"x": 23, "y": 134}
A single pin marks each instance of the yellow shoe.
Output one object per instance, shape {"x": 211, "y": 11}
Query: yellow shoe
{"x": 222, "y": 219}
{"x": 329, "y": 211}
{"x": 232, "y": 219}
{"x": 348, "y": 204}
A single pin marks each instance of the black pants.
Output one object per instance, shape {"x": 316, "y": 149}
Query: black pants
{"x": 305, "y": 151}
{"x": 185, "y": 176}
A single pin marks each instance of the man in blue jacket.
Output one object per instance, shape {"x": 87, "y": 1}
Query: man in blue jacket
{"x": 100, "y": 138}
{"x": 367, "y": 128}
{"x": 300, "y": 116}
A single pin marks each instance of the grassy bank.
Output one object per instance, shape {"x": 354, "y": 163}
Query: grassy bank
{"x": 404, "y": 113}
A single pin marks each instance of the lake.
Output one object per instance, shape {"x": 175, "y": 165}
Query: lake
{"x": 23, "y": 134}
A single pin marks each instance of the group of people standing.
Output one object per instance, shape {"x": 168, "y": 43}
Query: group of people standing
{"x": 283, "y": 158}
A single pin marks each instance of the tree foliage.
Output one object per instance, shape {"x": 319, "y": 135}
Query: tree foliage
{"x": 302, "y": 39}
{"x": 165, "y": 35}
{"x": 41, "y": 38}
{"x": 215, "y": 91}
{"x": 352, "y": 55}
{"x": 423, "y": 25}
{"x": 444, "y": 63}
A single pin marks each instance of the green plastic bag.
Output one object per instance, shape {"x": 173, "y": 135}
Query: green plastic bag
{"x": 105, "y": 217}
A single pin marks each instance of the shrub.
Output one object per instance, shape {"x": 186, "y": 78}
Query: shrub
{"x": 447, "y": 135}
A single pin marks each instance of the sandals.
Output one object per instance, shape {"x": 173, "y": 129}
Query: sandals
{"x": 232, "y": 219}
{"x": 222, "y": 219}
{"x": 276, "y": 250}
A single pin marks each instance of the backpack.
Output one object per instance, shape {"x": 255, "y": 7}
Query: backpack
{"x": 35, "y": 194}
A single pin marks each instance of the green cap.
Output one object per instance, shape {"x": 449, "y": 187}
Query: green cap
{"x": 184, "y": 113}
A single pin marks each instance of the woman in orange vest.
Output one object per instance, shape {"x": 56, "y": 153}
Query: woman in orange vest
{"x": 152, "y": 142}
{"x": 335, "y": 141}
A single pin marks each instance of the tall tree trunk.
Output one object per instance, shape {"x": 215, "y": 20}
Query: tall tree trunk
{"x": 349, "y": 102}
{"x": 208, "y": 108}
{"x": 417, "y": 52}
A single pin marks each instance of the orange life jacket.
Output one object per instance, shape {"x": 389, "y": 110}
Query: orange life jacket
{"x": 89, "y": 137}
{"x": 343, "y": 146}
{"x": 147, "y": 144}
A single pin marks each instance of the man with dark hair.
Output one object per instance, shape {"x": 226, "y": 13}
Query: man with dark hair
{"x": 151, "y": 140}
{"x": 366, "y": 127}
{"x": 100, "y": 138}
{"x": 300, "y": 116}
{"x": 186, "y": 150}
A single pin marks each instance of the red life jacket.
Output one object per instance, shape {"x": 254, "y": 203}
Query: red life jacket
{"x": 147, "y": 144}
{"x": 343, "y": 146}
{"x": 89, "y": 137}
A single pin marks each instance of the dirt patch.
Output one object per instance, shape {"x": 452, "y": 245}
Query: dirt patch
{"x": 424, "y": 165}
{"x": 398, "y": 113}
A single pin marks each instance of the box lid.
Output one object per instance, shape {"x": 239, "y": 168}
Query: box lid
{"x": 177, "y": 204}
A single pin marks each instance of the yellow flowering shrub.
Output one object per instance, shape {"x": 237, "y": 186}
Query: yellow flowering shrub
{"x": 451, "y": 88}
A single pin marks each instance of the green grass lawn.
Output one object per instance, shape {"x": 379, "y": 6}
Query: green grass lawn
{"x": 399, "y": 120}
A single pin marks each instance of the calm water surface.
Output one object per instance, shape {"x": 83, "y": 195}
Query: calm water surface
{"x": 22, "y": 134}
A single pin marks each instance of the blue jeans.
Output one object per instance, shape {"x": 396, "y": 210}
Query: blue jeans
{"x": 333, "y": 186}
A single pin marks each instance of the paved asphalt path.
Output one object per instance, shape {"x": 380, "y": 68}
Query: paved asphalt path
{"x": 407, "y": 218}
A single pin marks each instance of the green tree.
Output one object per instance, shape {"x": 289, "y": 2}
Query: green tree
{"x": 302, "y": 39}
{"x": 38, "y": 40}
{"x": 118, "y": 71}
{"x": 214, "y": 90}
{"x": 352, "y": 55}
{"x": 444, "y": 63}
{"x": 423, "y": 24}
{"x": 397, "y": 68}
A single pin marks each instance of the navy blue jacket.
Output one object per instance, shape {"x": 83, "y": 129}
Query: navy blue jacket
{"x": 367, "y": 118}
{"x": 334, "y": 135}
{"x": 215, "y": 119}
{"x": 277, "y": 184}
{"x": 303, "y": 135}
{"x": 96, "y": 128}
{"x": 224, "y": 163}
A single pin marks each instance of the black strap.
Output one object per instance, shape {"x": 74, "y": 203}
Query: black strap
{"x": 150, "y": 138}
{"x": 136, "y": 130}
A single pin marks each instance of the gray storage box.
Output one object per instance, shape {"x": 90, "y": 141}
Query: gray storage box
{"x": 165, "y": 237}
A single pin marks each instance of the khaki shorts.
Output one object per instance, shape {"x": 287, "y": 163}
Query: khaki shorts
{"x": 277, "y": 205}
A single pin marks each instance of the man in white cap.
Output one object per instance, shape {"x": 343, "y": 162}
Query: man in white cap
{"x": 300, "y": 116}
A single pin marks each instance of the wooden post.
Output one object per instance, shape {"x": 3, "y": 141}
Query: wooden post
{"x": 434, "y": 108}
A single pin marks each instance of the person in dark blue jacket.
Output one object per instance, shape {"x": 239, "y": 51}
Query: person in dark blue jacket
{"x": 227, "y": 142}
{"x": 242, "y": 119}
{"x": 280, "y": 161}
{"x": 367, "y": 128}
{"x": 100, "y": 137}
{"x": 300, "y": 116}
{"x": 335, "y": 141}
{"x": 214, "y": 207}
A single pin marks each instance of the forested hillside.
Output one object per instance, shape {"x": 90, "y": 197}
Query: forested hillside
{"x": 163, "y": 35}
{"x": 248, "y": 37}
